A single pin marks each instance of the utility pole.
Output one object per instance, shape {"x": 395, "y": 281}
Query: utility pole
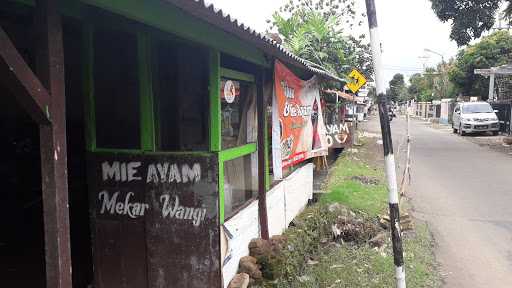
{"x": 394, "y": 210}
{"x": 442, "y": 73}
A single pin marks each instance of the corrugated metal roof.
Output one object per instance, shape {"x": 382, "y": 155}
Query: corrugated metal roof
{"x": 500, "y": 70}
{"x": 217, "y": 17}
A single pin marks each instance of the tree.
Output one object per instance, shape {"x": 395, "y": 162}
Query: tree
{"x": 313, "y": 30}
{"x": 470, "y": 18}
{"x": 344, "y": 10}
{"x": 397, "y": 90}
{"x": 416, "y": 87}
{"x": 434, "y": 84}
{"x": 493, "y": 50}
{"x": 421, "y": 86}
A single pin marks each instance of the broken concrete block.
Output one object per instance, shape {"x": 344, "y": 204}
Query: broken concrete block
{"x": 248, "y": 264}
{"x": 259, "y": 248}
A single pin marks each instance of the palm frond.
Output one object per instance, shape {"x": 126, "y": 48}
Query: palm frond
{"x": 508, "y": 11}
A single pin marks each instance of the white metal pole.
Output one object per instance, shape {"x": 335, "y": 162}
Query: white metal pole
{"x": 394, "y": 210}
{"x": 408, "y": 141}
{"x": 408, "y": 157}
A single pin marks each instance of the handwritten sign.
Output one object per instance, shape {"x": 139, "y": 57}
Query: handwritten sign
{"x": 161, "y": 211}
{"x": 339, "y": 135}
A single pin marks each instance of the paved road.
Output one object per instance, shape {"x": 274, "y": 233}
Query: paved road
{"x": 464, "y": 192}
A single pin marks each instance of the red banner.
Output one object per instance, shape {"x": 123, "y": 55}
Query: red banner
{"x": 300, "y": 120}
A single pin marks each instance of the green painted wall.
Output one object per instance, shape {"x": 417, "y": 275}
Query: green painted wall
{"x": 215, "y": 105}
{"x": 168, "y": 18}
{"x": 147, "y": 118}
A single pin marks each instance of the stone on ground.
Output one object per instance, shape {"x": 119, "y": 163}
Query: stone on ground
{"x": 240, "y": 280}
{"x": 379, "y": 240}
{"x": 249, "y": 265}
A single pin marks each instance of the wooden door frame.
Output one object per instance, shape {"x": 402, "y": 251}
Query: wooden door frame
{"x": 43, "y": 98}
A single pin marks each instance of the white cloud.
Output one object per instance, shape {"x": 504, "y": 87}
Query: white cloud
{"x": 252, "y": 13}
{"x": 408, "y": 27}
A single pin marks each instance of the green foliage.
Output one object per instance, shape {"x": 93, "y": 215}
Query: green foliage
{"x": 434, "y": 84}
{"x": 397, "y": 91}
{"x": 304, "y": 238}
{"x": 313, "y": 30}
{"x": 508, "y": 11}
{"x": 350, "y": 264}
{"x": 469, "y": 18}
{"x": 491, "y": 51}
{"x": 421, "y": 86}
{"x": 342, "y": 9}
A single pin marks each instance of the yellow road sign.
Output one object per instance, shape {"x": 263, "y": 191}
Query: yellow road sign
{"x": 358, "y": 80}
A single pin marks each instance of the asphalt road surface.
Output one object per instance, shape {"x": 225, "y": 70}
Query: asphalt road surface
{"x": 464, "y": 192}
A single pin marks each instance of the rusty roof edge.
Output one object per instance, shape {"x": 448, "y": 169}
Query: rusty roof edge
{"x": 209, "y": 13}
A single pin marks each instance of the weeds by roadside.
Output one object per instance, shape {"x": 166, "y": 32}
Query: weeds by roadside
{"x": 314, "y": 259}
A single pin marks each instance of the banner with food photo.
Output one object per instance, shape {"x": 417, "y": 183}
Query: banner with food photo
{"x": 298, "y": 129}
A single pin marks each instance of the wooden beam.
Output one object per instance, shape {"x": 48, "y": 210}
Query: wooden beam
{"x": 215, "y": 105}
{"x": 16, "y": 75}
{"x": 50, "y": 69}
{"x": 262, "y": 177}
{"x": 236, "y": 75}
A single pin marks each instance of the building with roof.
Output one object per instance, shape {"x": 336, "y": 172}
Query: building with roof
{"x": 136, "y": 150}
{"x": 500, "y": 93}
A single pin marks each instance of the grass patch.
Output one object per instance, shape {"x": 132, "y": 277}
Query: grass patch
{"x": 351, "y": 264}
{"x": 420, "y": 264}
{"x": 342, "y": 188}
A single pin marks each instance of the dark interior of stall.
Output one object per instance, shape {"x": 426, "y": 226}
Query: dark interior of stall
{"x": 22, "y": 257}
{"x": 180, "y": 90}
{"x": 21, "y": 218}
{"x": 81, "y": 252}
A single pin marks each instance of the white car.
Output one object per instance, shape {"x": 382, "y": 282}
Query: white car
{"x": 471, "y": 117}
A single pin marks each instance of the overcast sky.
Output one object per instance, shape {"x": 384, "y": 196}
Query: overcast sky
{"x": 407, "y": 27}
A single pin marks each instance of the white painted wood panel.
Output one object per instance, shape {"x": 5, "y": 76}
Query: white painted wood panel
{"x": 276, "y": 210}
{"x": 298, "y": 189}
{"x": 239, "y": 231}
{"x": 284, "y": 202}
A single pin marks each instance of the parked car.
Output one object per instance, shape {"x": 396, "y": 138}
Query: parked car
{"x": 472, "y": 117}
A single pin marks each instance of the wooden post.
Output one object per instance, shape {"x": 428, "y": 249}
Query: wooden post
{"x": 50, "y": 70}
{"x": 24, "y": 85}
{"x": 262, "y": 190}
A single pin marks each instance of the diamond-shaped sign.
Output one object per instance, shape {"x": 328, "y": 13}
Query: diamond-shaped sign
{"x": 358, "y": 81}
